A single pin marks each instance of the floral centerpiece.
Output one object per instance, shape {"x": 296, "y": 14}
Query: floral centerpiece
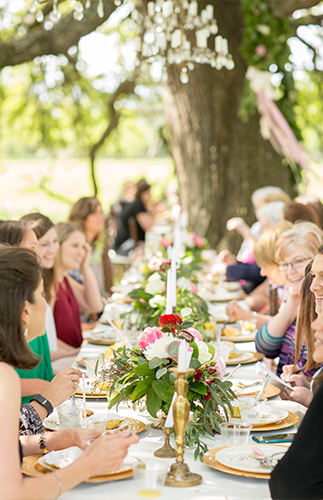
{"x": 143, "y": 372}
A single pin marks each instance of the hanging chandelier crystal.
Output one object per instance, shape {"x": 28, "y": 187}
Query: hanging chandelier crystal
{"x": 176, "y": 32}
{"x": 168, "y": 32}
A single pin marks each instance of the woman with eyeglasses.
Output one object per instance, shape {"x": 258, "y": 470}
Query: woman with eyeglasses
{"x": 293, "y": 251}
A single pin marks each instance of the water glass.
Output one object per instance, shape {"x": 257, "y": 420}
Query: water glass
{"x": 90, "y": 364}
{"x": 149, "y": 479}
{"x": 233, "y": 433}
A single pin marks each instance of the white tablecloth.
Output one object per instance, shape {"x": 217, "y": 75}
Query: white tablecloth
{"x": 216, "y": 485}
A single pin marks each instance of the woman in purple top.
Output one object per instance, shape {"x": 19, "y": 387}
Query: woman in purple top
{"x": 293, "y": 251}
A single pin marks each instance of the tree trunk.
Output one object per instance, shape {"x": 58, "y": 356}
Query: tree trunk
{"x": 219, "y": 159}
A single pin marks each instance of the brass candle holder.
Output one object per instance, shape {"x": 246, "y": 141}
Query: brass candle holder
{"x": 166, "y": 451}
{"x": 179, "y": 474}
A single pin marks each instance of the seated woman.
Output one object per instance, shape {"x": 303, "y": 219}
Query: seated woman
{"x": 299, "y": 474}
{"x": 22, "y": 317}
{"x": 69, "y": 296}
{"x": 293, "y": 251}
{"x": 37, "y": 382}
{"x": 144, "y": 219}
{"x": 87, "y": 213}
{"x": 258, "y": 299}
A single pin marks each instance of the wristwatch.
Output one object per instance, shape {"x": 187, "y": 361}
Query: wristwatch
{"x": 44, "y": 402}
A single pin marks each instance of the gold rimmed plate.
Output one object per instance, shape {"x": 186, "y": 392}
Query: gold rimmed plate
{"x": 101, "y": 341}
{"x": 128, "y": 424}
{"x": 31, "y": 467}
{"x": 256, "y": 357}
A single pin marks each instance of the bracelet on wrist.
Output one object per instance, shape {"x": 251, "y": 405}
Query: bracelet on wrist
{"x": 42, "y": 443}
{"x": 59, "y": 484}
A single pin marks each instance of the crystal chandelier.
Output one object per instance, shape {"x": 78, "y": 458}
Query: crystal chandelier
{"x": 176, "y": 32}
{"x": 169, "y": 32}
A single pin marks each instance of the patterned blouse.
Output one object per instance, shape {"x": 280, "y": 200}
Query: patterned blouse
{"x": 29, "y": 421}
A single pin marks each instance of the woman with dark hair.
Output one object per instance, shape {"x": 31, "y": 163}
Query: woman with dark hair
{"x": 22, "y": 318}
{"x": 296, "y": 212}
{"x": 16, "y": 234}
{"x": 138, "y": 212}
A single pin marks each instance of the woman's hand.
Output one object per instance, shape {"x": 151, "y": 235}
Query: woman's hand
{"x": 72, "y": 436}
{"x": 227, "y": 258}
{"x": 239, "y": 225}
{"x": 234, "y": 311}
{"x": 298, "y": 379}
{"x": 87, "y": 255}
{"x": 106, "y": 453}
{"x": 300, "y": 395}
{"x": 63, "y": 385}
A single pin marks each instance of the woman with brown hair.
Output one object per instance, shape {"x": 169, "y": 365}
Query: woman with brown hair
{"x": 87, "y": 213}
{"x": 69, "y": 296}
{"x": 22, "y": 318}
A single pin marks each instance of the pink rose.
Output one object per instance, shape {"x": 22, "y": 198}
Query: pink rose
{"x": 220, "y": 364}
{"x": 149, "y": 336}
{"x": 193, "y": 288}
{"x": 165, "y": 242}
{"x": 198, "y": 241}
{"x": 154, "y": 263}
{"x": 188, "y": 347}
{"x": 261, "y": 50}
{"x": 192, "y": 331}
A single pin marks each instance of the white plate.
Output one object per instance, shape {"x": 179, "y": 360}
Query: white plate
{"x": 270, "y": 415}
{"x": 63, "y": 458}
{"x": 243, "y": 356}
{"x": 238, "y": 386}
{"x": 52, "y": 422}
{"x": 240, "y": 457}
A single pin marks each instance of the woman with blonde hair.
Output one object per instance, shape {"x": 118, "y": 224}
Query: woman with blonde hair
{"x": 293, "y": 251}
{"x": 258, "y": 299}
{"x": 69, "y": 296}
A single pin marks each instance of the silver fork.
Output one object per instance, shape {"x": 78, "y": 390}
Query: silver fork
{"x": 269, "y": 460}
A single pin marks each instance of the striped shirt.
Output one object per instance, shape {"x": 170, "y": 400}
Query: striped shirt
{"x": 284, "y": 347}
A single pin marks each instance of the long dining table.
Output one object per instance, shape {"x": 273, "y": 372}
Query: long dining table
{"x": 216, "y": 485}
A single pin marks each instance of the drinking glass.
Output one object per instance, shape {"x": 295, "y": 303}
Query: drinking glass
{"x": 149, "y": 479}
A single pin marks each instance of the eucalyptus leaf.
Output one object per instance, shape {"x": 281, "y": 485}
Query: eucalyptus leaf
{"x": 153, "y": 363}
{"x": 172, "y": 349}
{"x": 153, "y": 402}
{"x": 194, "y": 363}
{"x": 161, "y": 372}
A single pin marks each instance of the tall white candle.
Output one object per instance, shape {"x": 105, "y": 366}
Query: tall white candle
{"x": 182, "y": 362}
{"x": 169, "y": 292}
{"x": 169, "y": 252}
{"x": 151, "y": 9}
{"x": 170, "y": 419}
{"x": 174, "y": 257}
{"x": 192, "y": 8}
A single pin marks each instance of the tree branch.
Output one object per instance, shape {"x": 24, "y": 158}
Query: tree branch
{"x": 126, "y": 87}
{"x": 66, "y": 33}
{"x": 305, "y": 21}
{"x": 285, "y": 8}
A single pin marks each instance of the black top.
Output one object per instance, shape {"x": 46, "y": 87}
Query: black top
{"x": 130, "y": 210}
{"x": 299, "y": 475}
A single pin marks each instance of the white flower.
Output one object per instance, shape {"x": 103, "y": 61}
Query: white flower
{"x": 183, "y": 284}
{"x": 155, "y": 287}
{"x": 204, "y": 354}
{"x": 154, "y": 277}
{"x": 263, "y": 29}
{"x": 189, "y": 239}
{"x": 158, "y": 300}
{"x": 158, "y": 348}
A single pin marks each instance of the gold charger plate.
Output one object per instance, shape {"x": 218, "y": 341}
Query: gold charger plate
{"x": 101, "y": 342}
{"x": 31, "y": 467}
{"x": 236, "y": 296}
{"x": 270, "y": 392}
{"x": 209, "y": 458}
{"x": 133, "y": 425}
{"x": 257, "y": 356}
{"x": 292, "y": 419}
{"x": 239, "y": 338}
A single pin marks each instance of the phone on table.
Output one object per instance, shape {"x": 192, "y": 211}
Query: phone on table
{"x": 274, "y": 438}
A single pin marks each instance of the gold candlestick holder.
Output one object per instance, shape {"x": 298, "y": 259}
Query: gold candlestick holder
{"x": 179, "y": 474}
{"x": 166, "y": 451}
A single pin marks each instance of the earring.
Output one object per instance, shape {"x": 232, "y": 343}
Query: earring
{"x": 26, "y": 333}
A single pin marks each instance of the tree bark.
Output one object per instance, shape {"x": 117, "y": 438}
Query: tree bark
{"x": 285, "y": 8}
{"x": 219, "y": 159}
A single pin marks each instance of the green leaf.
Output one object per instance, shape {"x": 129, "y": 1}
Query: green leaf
{"x": 164, "y": 389}
{"x": 161, "y": 372}
{"x": 172, "y": 349}
{"x": 143, "y": 369}
{"x": 153, "y": 363}
{"x": 153, "y": 402}
{"x": 211, "y": 349}
{"x": 194, "y": 363}
{"x": 195, "y": 353}
{"x": 198, "y": 387}
{"x": 141, "y": 388}
{"x": 146, "y": 296}
{"x": 187, "y": 324}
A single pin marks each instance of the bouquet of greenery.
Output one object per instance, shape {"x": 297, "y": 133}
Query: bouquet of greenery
{"x": 143, "y": 372}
